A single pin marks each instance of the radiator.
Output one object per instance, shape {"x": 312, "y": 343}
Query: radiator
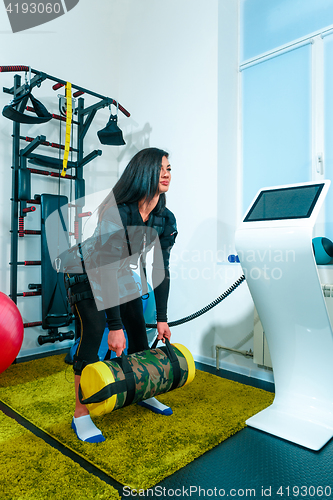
{"x": 261, "y": 354}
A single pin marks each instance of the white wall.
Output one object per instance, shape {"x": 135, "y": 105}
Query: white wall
{"x": 173, "y": 65}
{"x": 169, "y": 78}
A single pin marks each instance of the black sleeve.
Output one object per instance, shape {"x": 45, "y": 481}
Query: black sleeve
{"x": 161, "y": 293}
{"x": 113, "y": 318}
{"x": 161, "y": 289}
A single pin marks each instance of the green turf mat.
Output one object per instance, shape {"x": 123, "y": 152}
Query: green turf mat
{"x": 141, "y": 447}
{"x": 30, "y": 469}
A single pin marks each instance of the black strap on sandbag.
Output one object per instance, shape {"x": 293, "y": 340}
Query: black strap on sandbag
{"x": 125, "y": 385}
{"x": 128, "y": 383}
{"x": 167, "y": 349}
{"x": 107, "y": 392}
{"x": 129, "y": 377}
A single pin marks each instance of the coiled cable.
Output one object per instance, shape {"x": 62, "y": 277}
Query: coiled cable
{"x": 219, "y": 299}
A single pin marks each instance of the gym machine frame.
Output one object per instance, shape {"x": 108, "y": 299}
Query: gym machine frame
{"x": 20, "y": 156}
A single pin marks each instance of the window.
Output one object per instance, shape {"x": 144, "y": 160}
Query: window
{"x": 276, "y": 105}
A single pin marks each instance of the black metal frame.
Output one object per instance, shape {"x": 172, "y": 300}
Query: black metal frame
{"x": 20, "y": 156}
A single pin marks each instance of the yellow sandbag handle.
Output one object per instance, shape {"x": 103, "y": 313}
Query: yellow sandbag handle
{"x": 69, "y": 113}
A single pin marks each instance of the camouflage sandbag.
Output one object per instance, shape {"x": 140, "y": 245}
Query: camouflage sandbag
{"x": 108, "y": 385}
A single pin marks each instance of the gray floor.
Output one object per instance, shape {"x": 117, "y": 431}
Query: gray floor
{"x": 254, "y": 464}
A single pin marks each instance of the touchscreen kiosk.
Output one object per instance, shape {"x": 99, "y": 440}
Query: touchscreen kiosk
{"x": 274, "y": 246}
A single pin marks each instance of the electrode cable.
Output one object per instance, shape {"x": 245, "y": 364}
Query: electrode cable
{"x": 215, "y": 302}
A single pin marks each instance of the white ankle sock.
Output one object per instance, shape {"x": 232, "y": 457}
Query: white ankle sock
{"x": 155, "y": 406}
{"x": 86, "y": 430}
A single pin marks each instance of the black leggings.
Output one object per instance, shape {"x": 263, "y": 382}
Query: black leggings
{"x": 93, "y": 323}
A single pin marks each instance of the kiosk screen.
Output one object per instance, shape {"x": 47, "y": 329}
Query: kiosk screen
{"x": 295, "y": 202}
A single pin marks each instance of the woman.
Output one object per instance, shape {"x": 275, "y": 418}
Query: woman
{"x": 132, "y": 219}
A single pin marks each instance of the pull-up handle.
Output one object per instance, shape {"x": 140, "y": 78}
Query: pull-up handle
{"x": 57, "y": 86}
{"x": 7, "y": 69}
{"x": 121, "y": 108}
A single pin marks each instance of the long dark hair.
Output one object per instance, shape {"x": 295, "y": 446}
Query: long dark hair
{"x": 139, "y": 181}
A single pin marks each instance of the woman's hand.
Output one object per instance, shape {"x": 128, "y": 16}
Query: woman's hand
{"x": 163, "y": 331}
{"x": 117, "y": 341}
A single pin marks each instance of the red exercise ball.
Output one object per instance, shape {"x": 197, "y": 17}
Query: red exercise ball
{"x": 11, "y": 331}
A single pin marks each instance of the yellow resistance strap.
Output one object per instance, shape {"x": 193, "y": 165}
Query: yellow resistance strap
{"x": 69, "y": 112}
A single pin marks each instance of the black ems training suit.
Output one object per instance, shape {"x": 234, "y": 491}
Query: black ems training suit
{"x": 99, "y": 279}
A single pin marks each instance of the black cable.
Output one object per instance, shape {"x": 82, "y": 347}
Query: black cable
{"x": 219, "y": 299}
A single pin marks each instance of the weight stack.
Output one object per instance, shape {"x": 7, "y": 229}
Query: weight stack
{"x": 111, "y": 384}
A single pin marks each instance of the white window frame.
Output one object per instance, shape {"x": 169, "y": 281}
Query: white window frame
{"x": 317, "y": 103}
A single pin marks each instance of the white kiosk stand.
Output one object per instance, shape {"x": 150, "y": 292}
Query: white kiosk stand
{"x": 274, "y": 245}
